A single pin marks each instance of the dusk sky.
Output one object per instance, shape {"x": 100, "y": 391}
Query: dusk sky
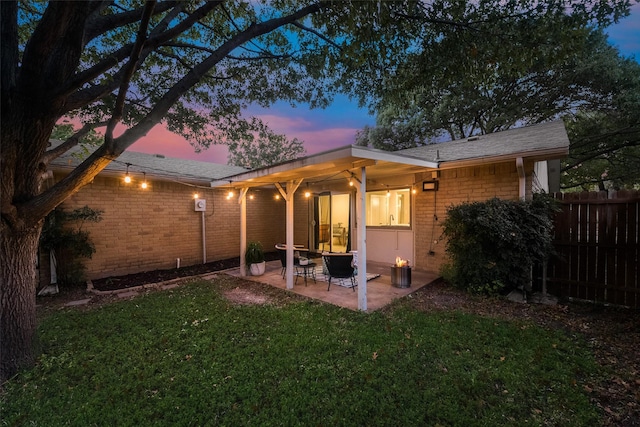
{"x": 336, "y": 125}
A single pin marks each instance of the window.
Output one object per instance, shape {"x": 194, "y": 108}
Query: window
{"x": 389, "y": 208}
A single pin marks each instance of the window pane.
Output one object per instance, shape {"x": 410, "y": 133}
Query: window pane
{"x": 389, "y": 208}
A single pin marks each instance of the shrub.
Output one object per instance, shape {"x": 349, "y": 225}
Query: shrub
{"x": 63, "y": 234}
{"x": 254, "y": 254}
{"x": 493, "y": 245}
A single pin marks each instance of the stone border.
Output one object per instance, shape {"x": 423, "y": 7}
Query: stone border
{"x": 167, "y": 284}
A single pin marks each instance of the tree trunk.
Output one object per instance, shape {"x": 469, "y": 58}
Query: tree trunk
{"x": 18, "y": 282}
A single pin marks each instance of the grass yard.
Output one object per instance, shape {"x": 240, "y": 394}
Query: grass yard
{"x": 191, "y": 356}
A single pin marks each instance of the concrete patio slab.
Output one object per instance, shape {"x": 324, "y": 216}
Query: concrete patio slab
{"x": 380, "y": 292}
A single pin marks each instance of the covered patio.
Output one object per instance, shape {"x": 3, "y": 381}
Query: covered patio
{"x": 395, "y": 204}
{"x": 358, "y": 166}
{"x": 380, "y": 292}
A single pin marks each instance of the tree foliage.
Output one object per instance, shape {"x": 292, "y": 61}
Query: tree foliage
{"x": 605, "y": 139}
{"x": 514, "y": 66}
{"x": 260, "y": 147}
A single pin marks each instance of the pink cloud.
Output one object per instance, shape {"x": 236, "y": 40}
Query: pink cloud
{"x": 161, "y": 141}
{"x": 282, "y": 124}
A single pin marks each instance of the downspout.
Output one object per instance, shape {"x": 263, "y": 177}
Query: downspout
{"x": 522, "y": 179}
{"x": 204, "y": 241}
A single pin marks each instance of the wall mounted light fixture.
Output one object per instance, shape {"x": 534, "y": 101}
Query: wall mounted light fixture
{"x": 430, "y": 186}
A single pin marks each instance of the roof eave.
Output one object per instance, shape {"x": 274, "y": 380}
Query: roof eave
{"x": 538, "y": 155}
{"x": 358, "y": 157}
{"x": 107, "y": 173}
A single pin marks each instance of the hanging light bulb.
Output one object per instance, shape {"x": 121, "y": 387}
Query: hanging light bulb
{"x": 144, "y": 181}
{"x": 230, "y": 193}
{"x": 195, "y": 196}
{"x": 127, "y": 178}
{"x": 307, "y": 193}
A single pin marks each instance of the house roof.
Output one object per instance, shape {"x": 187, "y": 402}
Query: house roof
{"x": 155, "y": 166}
{"x": 538, "y": 142}
{"x": 534, "y": 143}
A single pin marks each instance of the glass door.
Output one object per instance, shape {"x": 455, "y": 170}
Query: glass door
{"x": 332, "y": 217}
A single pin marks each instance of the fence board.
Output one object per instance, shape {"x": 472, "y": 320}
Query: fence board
{"x": 633, "y": 254}
{"x": 597, "y": 246}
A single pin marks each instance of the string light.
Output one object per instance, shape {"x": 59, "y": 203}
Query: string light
{"x": 230, "y": 194}
{"x": 307, "y": 193}
{"x": 127, "y": 178}
{"x": 144, "y": 182}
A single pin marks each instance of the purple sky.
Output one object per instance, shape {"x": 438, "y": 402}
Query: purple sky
{"x": 336, "y": 125}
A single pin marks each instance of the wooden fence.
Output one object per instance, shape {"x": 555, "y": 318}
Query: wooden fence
{"x": 597, "y": 245}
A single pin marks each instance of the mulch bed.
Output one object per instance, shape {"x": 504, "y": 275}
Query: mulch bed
{"x": 124, "y": 282}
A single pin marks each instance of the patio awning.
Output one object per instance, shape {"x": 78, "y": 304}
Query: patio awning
{"x": 328, "y": 164}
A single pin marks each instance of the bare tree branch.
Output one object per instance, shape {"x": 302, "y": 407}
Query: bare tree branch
{"x": 194, "y": 76}
{"x": 317, "y": 34}
{"x": 158, "y": 37}
{"x": 129, "y": 71}
{"x": 39, "y": 205}
{"x": 69, "y": 143}
{"x": 99, "y": 24}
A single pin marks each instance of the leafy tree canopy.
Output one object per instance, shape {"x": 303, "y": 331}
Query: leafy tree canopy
{"x": 513, "y": 67}
{"x": 262, "y": 148}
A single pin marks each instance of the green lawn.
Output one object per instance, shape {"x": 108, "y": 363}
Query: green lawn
{"x": 190, "y": 357}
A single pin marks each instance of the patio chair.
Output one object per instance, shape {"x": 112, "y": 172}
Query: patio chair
{"x": 282, "y": 252}
{"x": 340, "y": 266}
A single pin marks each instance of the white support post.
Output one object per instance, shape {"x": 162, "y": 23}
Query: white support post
{"x": 288, "y": 195}
{"x": 242, "y": 200}
{"x": 361, "y": 213}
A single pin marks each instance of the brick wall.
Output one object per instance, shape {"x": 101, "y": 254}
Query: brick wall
{"x": 457, "y": 186}
{"x": 148, "y": 229}
{"x": 144, "y": 230}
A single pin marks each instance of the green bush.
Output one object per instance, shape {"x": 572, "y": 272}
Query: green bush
{"x": 254, "y": 253}
{"x": 63, "y": 234}
{"x": 493, "y": 245}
